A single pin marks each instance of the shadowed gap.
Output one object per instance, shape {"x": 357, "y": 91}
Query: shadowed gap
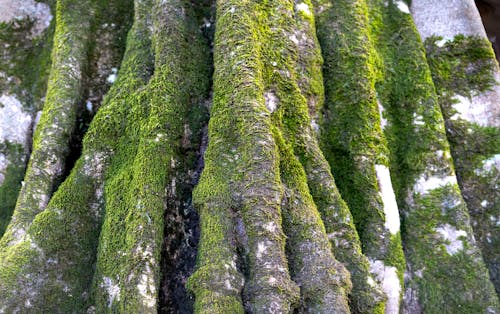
{"x": 490, "y": 15}
{"x": 105, "y": 52}
{"x": 181, "y": 228}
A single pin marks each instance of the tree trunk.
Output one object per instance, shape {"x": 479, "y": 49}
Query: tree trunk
{"x": 203, "y": 179}
{"x": 467, "y": 79}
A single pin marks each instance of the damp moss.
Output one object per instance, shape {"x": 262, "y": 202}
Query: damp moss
{"x": 294, "y": 77}
{"x": 240, "y": 123}
{"x": 325, "y": 283}
{"x": 260, "y": 74}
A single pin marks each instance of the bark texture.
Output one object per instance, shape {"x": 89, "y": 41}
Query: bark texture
{"x": 467, "y": 79}
{"x": 203, "y": 179}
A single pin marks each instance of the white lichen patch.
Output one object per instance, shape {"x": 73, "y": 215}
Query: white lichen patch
{"x": 443, "y": 41}
{"x": 43, "y": 199}
{"x": 383, "y": 121}
{"x": 146, "y": 285}
{"x": 14, "y": 122}
{"x": 261, "y": 249}
{"x": 111, "y": 78}
{"x": 371, "y": 282}
{"x": 228, "y": 285}
{"x": 147, "y": 288}
{"x": 4, "y": 162}
{"x": 391, "y": 211}
{"x": 476, "y": 109}
{"x": 18, "y": 235}
{"x": 425, "y": 184}
{"x": 419, "y": 273}
{"x": 453, "y": 237}
{"x": 488, "y": 165}
{"x": 304, "y": 8}
{"x": 418, "y": 119}
{"x": 28, "y": 304}
{"x": 271, "y": 101}
{"x": 89, "y": 106}
{"x": 440, "y": 154}
{"x": 38, "y": 116}
{"x": 39, "y": 12}
{"x": 272, "y": 281}
{"x": 94, "y": 164}
{"x": 403, "y": 7}
{"x": 314, "y": 125}
{"x": 271, "y": 227}
{"x": 112, "y": 289}
{"x": 495, "y": 220}
{"x": 97, "y": 204}
{"x": 388, "y": 278}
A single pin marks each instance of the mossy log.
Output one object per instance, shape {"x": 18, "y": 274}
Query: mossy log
{"x": 188, "y": 166}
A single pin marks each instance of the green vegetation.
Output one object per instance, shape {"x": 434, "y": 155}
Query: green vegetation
{"x": 24, "y": 66}
{"x": 434, "y": 215}
{"x": 463, "y": 70}
{"x": 121, "y": 190}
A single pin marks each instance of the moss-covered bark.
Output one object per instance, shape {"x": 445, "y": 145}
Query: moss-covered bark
{"x": 58, "y": 121}
{"x": 116, "y": 231}
{"x": 142, "y": 181}
{"x": 434, "y": 215}
{"x": 467, "y": 76}
{"x": 261, "y": 117}
{"x": 354, "y": 143}
{"x": 48, "y": 269}
{"x": 26, "y": 41}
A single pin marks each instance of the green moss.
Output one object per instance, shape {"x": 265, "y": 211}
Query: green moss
{"x": 324, "y": 281}
{"x": 419, "y": 151}
{"x": 241, "y": 145}
{"x": 48, "y": 269}
{"x": 351, "y": 134}
{"x": 150, "y": 154}
{"x": 13, "y": 175}
{"x": 262, "y": 72}
{"x": 27, "y": 60}
{"x": 52, "y": 136}
{"x": 466, "y": 67}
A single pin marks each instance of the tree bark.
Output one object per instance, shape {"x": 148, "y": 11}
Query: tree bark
{"x": 467, "y": 79}
{"x": 203, "y": 179}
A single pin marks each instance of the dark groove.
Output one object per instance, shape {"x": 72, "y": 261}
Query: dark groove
{"x": 105, "y": 51}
